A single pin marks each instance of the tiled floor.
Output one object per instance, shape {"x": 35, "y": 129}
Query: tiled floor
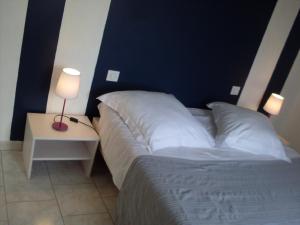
{"x": 57, "y": 194}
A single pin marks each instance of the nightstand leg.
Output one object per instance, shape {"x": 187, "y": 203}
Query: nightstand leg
{"x": 28, "y": 147}
{"x": 88, "y": 164}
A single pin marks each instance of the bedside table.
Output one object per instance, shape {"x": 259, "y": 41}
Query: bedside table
{"x": 43, "y": 143}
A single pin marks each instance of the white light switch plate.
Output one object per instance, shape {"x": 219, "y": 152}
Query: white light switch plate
{"x": 112, "y": 75}
{"x": 235, "y": 90}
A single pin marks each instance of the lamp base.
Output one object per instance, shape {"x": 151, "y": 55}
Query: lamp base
{"x": 59, "y": 126}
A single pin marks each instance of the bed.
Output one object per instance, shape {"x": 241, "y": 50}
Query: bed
{"x": 119, "y": 148}
{"x": 211, "y": 186}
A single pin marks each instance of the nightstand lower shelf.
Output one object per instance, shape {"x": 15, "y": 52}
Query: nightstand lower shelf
{"x": 61, "y": 150}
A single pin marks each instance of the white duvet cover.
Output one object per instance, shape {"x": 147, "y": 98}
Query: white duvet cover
{"x": 119, "y": 148}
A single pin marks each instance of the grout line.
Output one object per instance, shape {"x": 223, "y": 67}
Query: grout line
{"x": 14, "y": 150}
{"x": 72, "y": 184}
{"x": 52, "y": 186}
{"x": 87, "y": 214}
{"x": 29, "y": 201}
{"x": 4, "y": 188}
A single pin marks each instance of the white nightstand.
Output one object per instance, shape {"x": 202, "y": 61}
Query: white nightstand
{"x": 42, "y": 142}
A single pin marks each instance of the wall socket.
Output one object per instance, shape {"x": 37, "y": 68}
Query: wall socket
{"x": 112, "y": 75}
{"x": 235, "y": 90}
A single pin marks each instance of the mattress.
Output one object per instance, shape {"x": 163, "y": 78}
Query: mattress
{"x": 120, "y": 149}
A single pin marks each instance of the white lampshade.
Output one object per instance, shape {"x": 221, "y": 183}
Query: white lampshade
{"x": 68, "y": 83}
{"x": 274, "y": 104}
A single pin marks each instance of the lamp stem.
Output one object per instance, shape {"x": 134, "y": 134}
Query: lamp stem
{"x": 62, "y": 113}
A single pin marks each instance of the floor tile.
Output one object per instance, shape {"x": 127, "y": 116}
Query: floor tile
{"x": 113, "y": 214}
{"x": 79, "y": 199}
{"x": 105, "y": 185}
{"x": 33, "y": 213}
{"x": 18, "y": 186}
{"x": 3, "y": 214}
{"x": 110, "y": 202}
{"x": 67, "y": 172}
{"x": 13, "y": 160}
{"x": 94, "y": 219}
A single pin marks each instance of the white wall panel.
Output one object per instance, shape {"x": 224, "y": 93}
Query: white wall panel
{"x": 78, "y": 47}
{"x": 287, "y": 123}
{"x": 268, "y": 53}
{"x": 12, "y": 21}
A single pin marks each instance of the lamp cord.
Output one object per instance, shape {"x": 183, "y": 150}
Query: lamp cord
{"x": 78, "y": 121}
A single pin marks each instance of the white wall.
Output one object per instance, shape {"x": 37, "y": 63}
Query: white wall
{"x": 12, "y": 21}
{"x": 287, "y": 123}
{"x": 268, "y": 53}
{"x": 78, "y": 47}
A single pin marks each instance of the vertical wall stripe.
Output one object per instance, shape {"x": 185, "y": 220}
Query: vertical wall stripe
{"x": 285, "y": 63}
{"x": 12, "y": 21}
{"x": 37, "y": 57}
{"x": 78, "y": 47}
{"x": 268, "y": 53}
{"x": 287, "y": 123}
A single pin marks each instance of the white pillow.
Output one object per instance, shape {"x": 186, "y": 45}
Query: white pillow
{"x": 246, "y": 130}
{"x": 158, "y": 120}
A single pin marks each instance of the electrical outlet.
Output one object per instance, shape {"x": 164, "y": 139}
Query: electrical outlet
{"x": 235, "y": 90}
{"x": 112, "y": 75}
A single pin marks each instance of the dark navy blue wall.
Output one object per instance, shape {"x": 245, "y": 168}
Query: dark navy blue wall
{"x": 40, "y": 39}
{"x": 195, "y": 49}
{"x": 284, "y": 64}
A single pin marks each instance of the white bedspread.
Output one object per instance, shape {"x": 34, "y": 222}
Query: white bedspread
{"x": 119, "y": 148}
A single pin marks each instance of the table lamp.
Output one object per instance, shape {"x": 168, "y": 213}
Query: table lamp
{"x": 274, "y": 104}
{"x": 67, "y": 88}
